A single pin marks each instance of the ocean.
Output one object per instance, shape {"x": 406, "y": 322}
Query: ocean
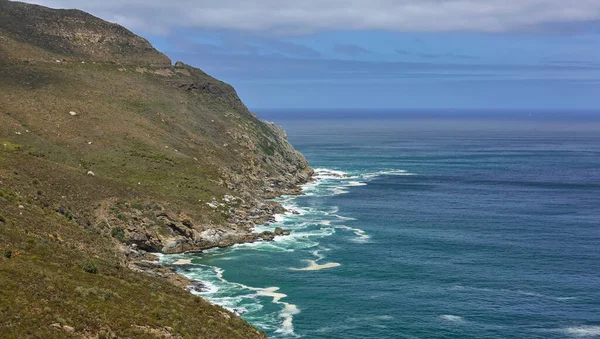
{"x": 426, "y": 225}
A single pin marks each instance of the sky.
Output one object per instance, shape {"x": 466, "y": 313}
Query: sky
{"x": 379, "y": 54}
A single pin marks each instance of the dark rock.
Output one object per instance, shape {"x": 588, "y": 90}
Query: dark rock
{"x": 197, "y": 287}
{"x": 266, "y": 236}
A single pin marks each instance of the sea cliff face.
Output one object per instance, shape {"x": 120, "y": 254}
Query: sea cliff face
{"x": 99, "y": 130}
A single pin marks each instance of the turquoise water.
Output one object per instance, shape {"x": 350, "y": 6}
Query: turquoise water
{"x": 444, "y": 228}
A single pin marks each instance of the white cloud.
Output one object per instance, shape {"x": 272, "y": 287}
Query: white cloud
{"x": 304, "y": 16}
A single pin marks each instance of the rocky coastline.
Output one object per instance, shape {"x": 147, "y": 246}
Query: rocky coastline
{"x": 244, "y": 219}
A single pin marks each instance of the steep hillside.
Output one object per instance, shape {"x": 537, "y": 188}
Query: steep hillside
{"x": 108, "y": 151}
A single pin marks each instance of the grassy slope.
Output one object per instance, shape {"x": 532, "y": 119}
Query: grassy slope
{"x": 155, "y": 145}
{"x": 44, "y": 283}
{"x": 43, "y": 171}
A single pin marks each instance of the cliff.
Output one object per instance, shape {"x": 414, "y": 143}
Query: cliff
{"x": 108, "y": 151}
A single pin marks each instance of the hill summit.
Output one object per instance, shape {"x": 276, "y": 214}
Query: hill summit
{"x": 32, "y": 32}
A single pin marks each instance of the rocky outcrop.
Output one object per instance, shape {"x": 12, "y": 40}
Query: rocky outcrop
{"x": 166, "y": 232}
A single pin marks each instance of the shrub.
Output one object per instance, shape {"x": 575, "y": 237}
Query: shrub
{"x": 118, "y": 233}
{"x": 90, "y": 266}
{"x": 8, "y": 253}
{"x": 137, "y": 206}
{"x": 2, "y": 218}
{"x": 65, "y": 211}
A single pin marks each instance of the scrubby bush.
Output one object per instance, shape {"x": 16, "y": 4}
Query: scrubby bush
{"x": 90, "y": 266}
{"x": 65, "y": 211}
{"x": 118, "y": 233}
{"x": 8, "y": 253}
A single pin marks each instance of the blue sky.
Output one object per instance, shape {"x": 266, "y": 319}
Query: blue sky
{"x": 531, "y": 54}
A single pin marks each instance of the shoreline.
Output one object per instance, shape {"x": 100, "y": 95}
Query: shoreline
{"x": 206, "y": 279}
{"x": 149, "y": 262}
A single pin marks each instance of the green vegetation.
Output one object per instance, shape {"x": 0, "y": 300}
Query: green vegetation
{"x": 100, "y": 146}
{"x": 90, "y": 266}
{"x": 118, "y": 233}
{"x": 43, "y": 284}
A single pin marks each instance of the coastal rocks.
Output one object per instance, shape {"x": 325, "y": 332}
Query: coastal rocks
{"x": 265, "y": 236}
{"x": 145, "y": 241}
{"x": 197, "y": 287}
{"x": 281, "y": 231}
{"x": 138, "y": 261}
{"x": 177, "y": 227}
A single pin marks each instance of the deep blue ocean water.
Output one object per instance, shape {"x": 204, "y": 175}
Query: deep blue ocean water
{"x": 464, "y": 226}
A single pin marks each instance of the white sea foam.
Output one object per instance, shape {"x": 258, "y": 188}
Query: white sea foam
{"x": 341, "y": 217}
{"x": 369, "y": 176}
{"x": 288, "y": 312}
{"x": 317, "y": 253}
{"x": 267, "y": 246}
{"x": 330, "y": 174}
{"x": 452, "y": 318}
{"x": 183, "y": 262}
{"x": 361, "y": 236}
{"x": 314, "y": 266}
{"x": 340, "y": 190}
{"x": 239, "y": 303}
{"x": 583, "y": 331}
